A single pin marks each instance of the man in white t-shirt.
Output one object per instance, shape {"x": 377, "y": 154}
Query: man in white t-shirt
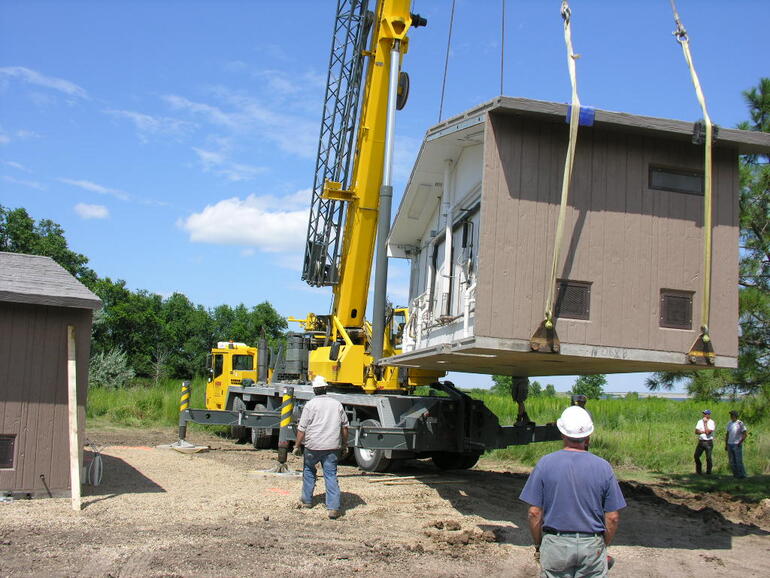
{"x": 734, "y": 438}
{"x": 704, "y": 429}
{"x": 323, "y": 429}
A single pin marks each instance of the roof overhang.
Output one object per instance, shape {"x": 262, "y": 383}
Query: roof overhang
{"x": 446, "y": 140}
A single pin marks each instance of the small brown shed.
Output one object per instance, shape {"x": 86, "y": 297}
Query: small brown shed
{"x": 478, "y": 222}
{"x": 39, "y": 301}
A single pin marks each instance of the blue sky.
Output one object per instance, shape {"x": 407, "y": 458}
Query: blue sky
{"x": 175, "y": 140}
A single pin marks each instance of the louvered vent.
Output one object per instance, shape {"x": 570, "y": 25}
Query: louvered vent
{"x": 7, "y": 443}
{"x": 573, "y": 300}
{"x": 676, "y": 309}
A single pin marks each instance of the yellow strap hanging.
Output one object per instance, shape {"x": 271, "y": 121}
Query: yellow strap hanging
{"x": 545, "y": 333}
{"x": 702, "y": 349}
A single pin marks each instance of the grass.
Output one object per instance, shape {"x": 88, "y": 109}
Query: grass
{"x": 639, "y": 437}
{"x": 142, "y": 406}
{"x": 644, "y": 435}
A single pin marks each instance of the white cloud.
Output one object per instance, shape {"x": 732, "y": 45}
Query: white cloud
{"x": 268, "y": 223}
{"x": 147, "y": 125}
{"x": 33, "y": 77}
{"x": 17, "y": 166}
{"x": 5, "y": 138}
{"x": 217, "y": 162}
{"x": 23, "y": 183}
{"x": 248, "y": 115}
{"x": 86, "y": 211}
{"x": 95, "y": 188}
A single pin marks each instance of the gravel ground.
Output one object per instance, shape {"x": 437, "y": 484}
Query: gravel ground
{"x": 218, "y": 513}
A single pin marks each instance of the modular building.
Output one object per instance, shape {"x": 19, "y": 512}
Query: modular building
{"x": 478, "y": 223}
{"x": 39, "y": 303}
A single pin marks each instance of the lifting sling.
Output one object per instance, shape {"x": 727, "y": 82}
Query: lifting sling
{"x": 545, "y": 334}
{"x": 702, "y": 350}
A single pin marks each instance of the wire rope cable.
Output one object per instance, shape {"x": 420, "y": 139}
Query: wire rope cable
{"x": 502, "y": 45}
{"x": 683, "y": 39}
{"x": 446, "y": 60}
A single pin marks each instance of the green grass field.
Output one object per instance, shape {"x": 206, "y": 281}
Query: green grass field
{"x": 635, "y": 435}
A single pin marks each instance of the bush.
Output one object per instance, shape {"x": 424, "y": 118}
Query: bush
{"x": 110, "y": 370}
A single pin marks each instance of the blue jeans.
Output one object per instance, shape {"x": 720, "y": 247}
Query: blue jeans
{"x": 735, "y": 455}
{"x": 328, "y": 460}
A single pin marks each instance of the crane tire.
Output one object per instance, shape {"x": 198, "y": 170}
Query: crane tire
{"x": 262, "y": 438}
{"x": 371, "y": 460}
{"x": 239, "y": 433}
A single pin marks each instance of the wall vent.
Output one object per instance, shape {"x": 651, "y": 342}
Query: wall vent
{"x": 7, "y": 444}
{"x": 573, "y": 300}
{"x": 676, "y": 309}
{"x": 676, "y": 180}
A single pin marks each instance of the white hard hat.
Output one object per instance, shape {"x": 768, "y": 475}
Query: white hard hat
{"x": 319, "y": 382}
{"x": 575, "y": 422}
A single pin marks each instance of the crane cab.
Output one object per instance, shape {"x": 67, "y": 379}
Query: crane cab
{"x": 228, "y": 364}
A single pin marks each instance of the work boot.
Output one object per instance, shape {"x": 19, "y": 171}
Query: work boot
{"x": 302, "y": 504}
{"x": 334, "y": 514}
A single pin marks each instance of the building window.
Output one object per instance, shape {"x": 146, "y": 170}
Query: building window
{"x": 573, "y": 299}
{"x": 676, "y": 309}
{"x": 676, "y": 180}
{"x": 7, "y": 444}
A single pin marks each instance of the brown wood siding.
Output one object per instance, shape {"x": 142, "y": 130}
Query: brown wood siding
{"x": 626, "y": 239}
{"x": 33, "y": 391}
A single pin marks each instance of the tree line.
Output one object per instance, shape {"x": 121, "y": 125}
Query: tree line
{"x": 752, "y": 377}
{"x": 140, "y": 333}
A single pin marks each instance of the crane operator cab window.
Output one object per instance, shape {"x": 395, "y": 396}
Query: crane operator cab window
{"x": 397, "y": 324}
{"x": 243, "y": 363}
{"x": 217, "y": 366}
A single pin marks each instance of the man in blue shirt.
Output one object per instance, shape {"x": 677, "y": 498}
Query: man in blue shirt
{"x": 574, "y": 500}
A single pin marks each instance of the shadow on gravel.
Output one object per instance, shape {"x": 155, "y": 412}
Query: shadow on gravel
{"x": 119, "y": 478}
{"x": 649, "y": 520}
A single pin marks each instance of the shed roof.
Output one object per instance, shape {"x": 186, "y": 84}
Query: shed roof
{"x": 446, "y": 140}
{"x": 42, "y": 281}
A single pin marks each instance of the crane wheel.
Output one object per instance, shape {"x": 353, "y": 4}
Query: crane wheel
{"x": 262, "y": 438}
{"x": 239, "y": 433}
{"x": 371, "y": 460}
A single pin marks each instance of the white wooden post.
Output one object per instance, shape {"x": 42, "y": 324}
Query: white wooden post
{"x": 72, "y": 386}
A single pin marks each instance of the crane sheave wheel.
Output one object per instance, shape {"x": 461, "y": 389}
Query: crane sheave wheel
{"x": 371, "y": 460}
{"x": 262, "y": 438}
{"x": 454, "y": 461}
{"x": 239, "y": 432}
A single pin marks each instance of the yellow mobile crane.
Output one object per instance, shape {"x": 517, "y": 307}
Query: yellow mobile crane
{"x": 350, "y": 210}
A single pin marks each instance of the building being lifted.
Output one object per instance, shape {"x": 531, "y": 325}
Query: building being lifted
{"x": 478, "y": 221}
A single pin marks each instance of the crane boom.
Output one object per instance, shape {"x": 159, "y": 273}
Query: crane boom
{"x": 348, "y": 267}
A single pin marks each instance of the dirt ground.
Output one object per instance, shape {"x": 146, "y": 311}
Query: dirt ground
{"x": 161, "y": 513}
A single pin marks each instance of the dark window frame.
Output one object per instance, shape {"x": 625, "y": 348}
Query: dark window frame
{"x": 561, "y": 285}
{"x": 680, "y": 172}
{"x": 7, "y": 451}
{"x": 664, "y": 317}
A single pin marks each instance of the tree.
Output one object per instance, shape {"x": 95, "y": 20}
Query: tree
{"x": 501, "y": 384}
{"x": 753, "y": 374}
{"x": 19, "y": 233}
{"x": 110, "y": 369}
{"x": 535, "y": 389}
{"x": 549, "y": 391}
{"x": 591, "y": 386}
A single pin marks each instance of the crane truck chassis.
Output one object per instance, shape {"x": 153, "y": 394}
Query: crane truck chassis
{"x": 453, "y": 430}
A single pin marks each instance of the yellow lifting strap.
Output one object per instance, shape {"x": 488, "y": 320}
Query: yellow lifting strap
{"x": 545, "y": 334}
{"x": 702, "y": 350}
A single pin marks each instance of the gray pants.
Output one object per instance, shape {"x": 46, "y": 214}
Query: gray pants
{"x": 570, "y": 556}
